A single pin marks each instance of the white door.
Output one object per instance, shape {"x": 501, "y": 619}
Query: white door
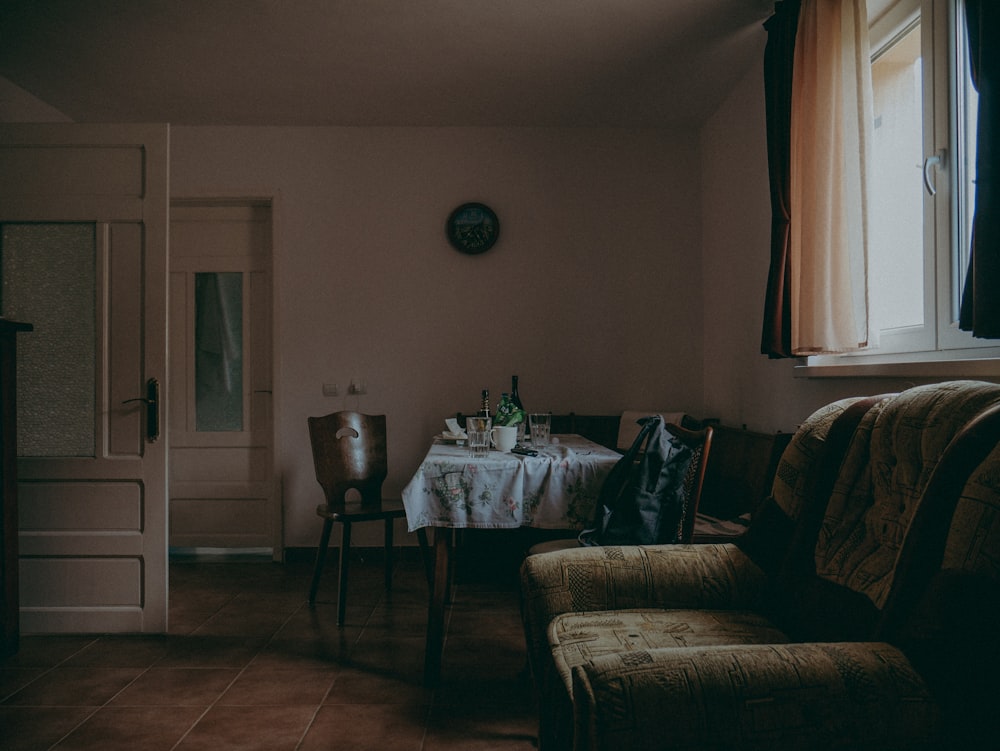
{"x": 222, "y": 492}
{"x": 83, "y": 257}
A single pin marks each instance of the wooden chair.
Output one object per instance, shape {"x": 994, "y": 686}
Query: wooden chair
{"x": 349, "y": 455}
{"x": 700, "y": 443}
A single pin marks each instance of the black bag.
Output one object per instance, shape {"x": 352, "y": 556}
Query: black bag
{"x": 643, "y": 502}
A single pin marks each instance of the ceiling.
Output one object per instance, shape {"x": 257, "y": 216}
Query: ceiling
{"x": 627, "y": 63}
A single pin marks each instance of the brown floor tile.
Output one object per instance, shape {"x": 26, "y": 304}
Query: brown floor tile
{"x": 321, "y": 621}
{"x": 177, "y": 687}
{"x": 248, "y": 664}
{"x": 364, "y": 727}
{"x": 354, "y": 686}
{"x": 512, "y": 694}
{"x": 131, "y": 729}
{"x": 211, "y": 650}
{"x": 74, "y": 687}
{"x": 305, "y": 653}
{"x": 242, "y": 621}
{"x": 479, "y": 727}
{"x": 13, "y": 680}
{"x": 120, "y": 652}
{"x": 46, "y": 651}
{"x": 248, "y": 729}
{"x": 264, "y": 686}
{"x": 34, "y": 728}
{"x": 398, "y": 656}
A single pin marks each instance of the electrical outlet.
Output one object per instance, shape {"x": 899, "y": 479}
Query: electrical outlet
{"x": 358, "y": 387}
{"x": 330, "y": 389}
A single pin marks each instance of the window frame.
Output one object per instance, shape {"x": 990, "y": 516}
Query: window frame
{"x": 938, "y": 347}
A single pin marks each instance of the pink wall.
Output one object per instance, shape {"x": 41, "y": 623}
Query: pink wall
{"x": 592, "y": 295}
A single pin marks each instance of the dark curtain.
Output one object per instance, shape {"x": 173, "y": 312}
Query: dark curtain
{"x": 776, "y": 340}
{"x": 980, "y": 311}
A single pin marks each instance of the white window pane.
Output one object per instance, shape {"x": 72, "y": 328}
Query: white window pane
{"x": 896, "y": 243}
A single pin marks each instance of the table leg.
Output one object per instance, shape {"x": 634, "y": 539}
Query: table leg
{"x": 435, "y": 615}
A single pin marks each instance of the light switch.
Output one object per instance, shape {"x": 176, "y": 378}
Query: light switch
{"x": 330, "y": 389}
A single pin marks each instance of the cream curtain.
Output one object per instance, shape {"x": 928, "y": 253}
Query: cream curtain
{"x": 831, "y": 127}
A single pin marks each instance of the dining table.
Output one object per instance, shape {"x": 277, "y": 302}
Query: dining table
{"x": 555, "y": 488}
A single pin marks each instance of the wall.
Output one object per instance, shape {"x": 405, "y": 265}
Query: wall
{"x": 592, "y": 294}
{"x": 19, "y": 106}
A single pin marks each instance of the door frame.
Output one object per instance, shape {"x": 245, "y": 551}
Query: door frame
{"x": 272, "y": 200}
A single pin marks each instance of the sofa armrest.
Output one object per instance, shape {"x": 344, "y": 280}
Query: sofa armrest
{"x": 861, "y": 696}
{"x": 717, "y": 577}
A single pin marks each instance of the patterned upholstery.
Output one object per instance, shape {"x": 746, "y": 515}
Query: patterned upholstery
{"x": 854, "y": 697}
{"x": 709, "y": 576}
{"x": 580, "y": 638}
{"x": 684, "y": 640}
{"x": 883, "y": 479}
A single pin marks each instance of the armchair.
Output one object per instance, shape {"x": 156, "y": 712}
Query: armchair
{"x": 796, "y": 636}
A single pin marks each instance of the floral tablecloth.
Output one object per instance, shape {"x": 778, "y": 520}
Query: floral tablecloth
{"x": 557, "y": 489}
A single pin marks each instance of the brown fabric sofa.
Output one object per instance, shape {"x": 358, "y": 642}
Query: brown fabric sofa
{"x": 831, "y": 624}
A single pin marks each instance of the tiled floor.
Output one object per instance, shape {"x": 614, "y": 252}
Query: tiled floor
{"x": 248, "y": 665}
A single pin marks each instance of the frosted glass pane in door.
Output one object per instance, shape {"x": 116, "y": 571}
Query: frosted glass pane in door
{"x": 47, "y": 279}
{"x": 218, "y": 354}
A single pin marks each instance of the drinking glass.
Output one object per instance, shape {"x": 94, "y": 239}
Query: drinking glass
{"x": 540, "y": 426}
{"x": 478, "y": 431}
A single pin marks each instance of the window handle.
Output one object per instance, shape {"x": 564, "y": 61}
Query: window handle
{"x": 937, "y": 160}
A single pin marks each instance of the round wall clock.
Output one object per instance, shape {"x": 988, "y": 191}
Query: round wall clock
{"x": 472, "y": 228}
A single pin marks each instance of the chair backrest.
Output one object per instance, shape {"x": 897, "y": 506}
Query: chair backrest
{"x": 803, "y": 480}
{"x": 857, "y": 534}
{"x": 700, "y": 443}
{"x": 740, "y": 474}
{"x": 883, "y": 478}
{"x": 349, "y": 452}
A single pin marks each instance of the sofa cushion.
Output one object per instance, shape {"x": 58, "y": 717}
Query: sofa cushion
{"x": 861, "y": 697}
{"x": 578, "y": 638}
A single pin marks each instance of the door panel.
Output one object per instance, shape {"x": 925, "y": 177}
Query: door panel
{"x": 93, "y": 537}
{"x": 222, "y": 492}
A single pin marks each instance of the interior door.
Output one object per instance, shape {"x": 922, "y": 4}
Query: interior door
{"x": 83, "y": 256}
{"x": 222, "y": 493}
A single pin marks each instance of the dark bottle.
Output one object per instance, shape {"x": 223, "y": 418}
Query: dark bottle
{"x": 514, "y": 396}
{"x": 484, "y": 408}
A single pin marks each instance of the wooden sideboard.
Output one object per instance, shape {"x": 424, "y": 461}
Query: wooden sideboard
{"x": 10, "y": 606}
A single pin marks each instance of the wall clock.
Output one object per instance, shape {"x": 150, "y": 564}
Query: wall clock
{"x": 472, "y": 228}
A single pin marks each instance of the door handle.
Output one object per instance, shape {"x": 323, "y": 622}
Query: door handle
{"x": 152, "y": 402}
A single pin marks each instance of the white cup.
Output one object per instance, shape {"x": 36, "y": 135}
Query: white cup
{"x": 505, "y": 437}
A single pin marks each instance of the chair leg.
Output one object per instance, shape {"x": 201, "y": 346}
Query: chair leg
{"x": 324, "y": 542}
{"x": 388, "y": 553}
{"x": 345, "y": 557}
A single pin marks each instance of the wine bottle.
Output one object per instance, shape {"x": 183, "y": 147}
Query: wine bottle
{"x": 484, "y": 407}
{"x": 515, "y": 397}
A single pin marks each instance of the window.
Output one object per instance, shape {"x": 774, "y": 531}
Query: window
{"x": 923, "y": 156}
